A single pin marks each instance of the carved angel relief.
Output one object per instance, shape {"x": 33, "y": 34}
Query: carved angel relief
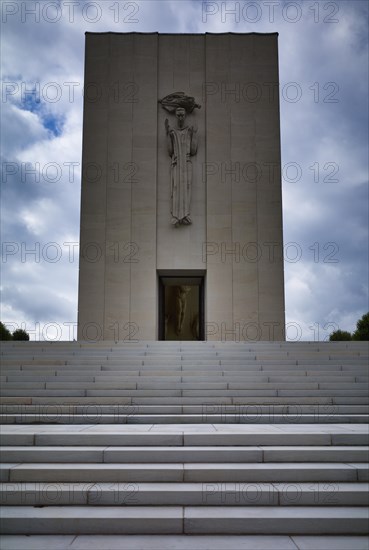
{"x": 182, "y": 145}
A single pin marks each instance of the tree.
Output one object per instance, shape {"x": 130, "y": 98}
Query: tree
{"x": 20, "y": 334}
{"x": 5, "y": 334}
{"x": 339, "y": 335}
{"x": 362, "y": 328}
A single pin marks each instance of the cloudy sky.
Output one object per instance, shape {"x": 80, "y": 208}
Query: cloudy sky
{"x": 323, "y": 57}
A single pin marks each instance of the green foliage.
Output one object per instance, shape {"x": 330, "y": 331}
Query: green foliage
{"x": 20, "y": 334}
{"x": 361, "y": 332}
{"x": 339, "y": 335}
{"x": 5, "y": 334}
{"x": 362, "y": 328}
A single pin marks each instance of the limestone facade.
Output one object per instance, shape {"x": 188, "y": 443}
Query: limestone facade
{"x": 235, "y": 239}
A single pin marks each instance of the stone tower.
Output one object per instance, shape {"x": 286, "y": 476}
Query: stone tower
{"x": 181, "y": 211}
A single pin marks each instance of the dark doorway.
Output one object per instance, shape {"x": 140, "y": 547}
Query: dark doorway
{"x": 181, "y": 308}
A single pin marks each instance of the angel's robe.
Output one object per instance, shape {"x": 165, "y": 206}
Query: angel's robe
{"x": 182, "y": 144}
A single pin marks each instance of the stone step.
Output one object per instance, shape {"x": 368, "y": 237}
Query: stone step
{"x": 164, "y": 418}
{"x": 113, "y": 385}
{"x": 215, "y": 378}
{"x": 197, "y": 358}
{"x": 267, "y": 344}
{"x": 199, "y": 454}
{"x": 199, "y": 394}
{"x": 165, "y": 400}
{"x": 231, "y": 354}
{"x": 232, "y": 350}
{"x": 189, "y": 519}
{"x": 184, "y": 494}
{"x": 252, "y": 411}
{"x": 184, "y": 542}
{"x": 240, "y": 374}
{"x": 242, "y": 370}
{"x": 181, "y": 382}
{"x": 202, "y": 356}
{"x": 163, "y": 366}
{"x": 186, "y": 434}
{"x": 184, "y": 472}
{"x": 240, "y": 404}
{"x": 139, "y": 382}
{"x": 174, "y": 347}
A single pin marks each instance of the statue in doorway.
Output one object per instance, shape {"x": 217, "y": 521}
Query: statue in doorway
{"x": 182, "y": 145}
{"x": 181, "y": 303}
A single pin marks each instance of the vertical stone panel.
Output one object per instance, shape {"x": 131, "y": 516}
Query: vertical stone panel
{"x": 119, "y": 193}
{"x": 91, "y": 301}
{"x": 143, "y": 315}
{"x": 269, "y": 214}
{"x": 181, "y": 69}
{"x": 244, "y": 112}
{"x": 219, "y": 283}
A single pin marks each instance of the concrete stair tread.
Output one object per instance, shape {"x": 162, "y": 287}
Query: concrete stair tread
{"x": 336, "y": 428}
{"x": 183, "y": 542}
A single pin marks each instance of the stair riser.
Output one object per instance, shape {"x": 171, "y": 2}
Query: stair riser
{"x": 194, "y": 377}
{"x": 295, "y": 395}
{"x": 185, "y": 401}
{"x": 252, "y": 411}
{"x": 179, "y": 476}
{"x": 267, "y": 524}
{"x": 157, "y": 439}
{"x": 205, "y": 494}
{"x": 183, "y": 455}
{"x": 181, "y": 419}
{"x": 207, "y": 388}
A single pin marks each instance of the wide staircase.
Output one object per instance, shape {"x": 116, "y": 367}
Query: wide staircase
{"x": 184, "y": 445}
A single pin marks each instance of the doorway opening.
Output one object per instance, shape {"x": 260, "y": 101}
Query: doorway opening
{"x": 181, "y": 308}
